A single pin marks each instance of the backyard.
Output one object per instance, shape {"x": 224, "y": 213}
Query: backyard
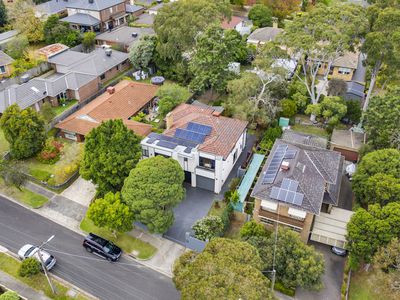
{"x": 58, "y": 110}
{"x": 308, "y": 129}
{"x": 362, "y": 287}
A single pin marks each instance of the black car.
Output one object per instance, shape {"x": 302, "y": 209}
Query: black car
{"x": 102, "y": 247}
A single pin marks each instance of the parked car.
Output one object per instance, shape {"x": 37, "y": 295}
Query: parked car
{"x": 101, "y": 247}
{"x": 339, "y": 251}
{"x": 32, "y": 251}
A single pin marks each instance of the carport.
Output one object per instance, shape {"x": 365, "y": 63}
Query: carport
{"x": 330, "y": 228}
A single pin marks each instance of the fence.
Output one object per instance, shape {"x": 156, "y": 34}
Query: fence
{"x": 36, "y": 71}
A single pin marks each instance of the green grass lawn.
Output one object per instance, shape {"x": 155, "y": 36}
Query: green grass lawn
{"x": 217, "y": 211}
{"x": 3, "y": 143}
{"x": 25, "y": 196}
{"x": 60, "y": 109}
{"x": 125, "y": 241}
{"x": 38, "y": 282}
{"x": 362, "y": 288}
{"x": 310, "y": 129}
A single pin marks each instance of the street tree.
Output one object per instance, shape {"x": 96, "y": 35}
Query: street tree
{"x": 111, "y": 213}
{"x": 210, "y": 60}
{"x": 152, "y": 190}
{"x": 261, "y": 15}
{"x": 318, "y": 38}
{"x": 225, "y": 269}
{"x": 382, "y": 119}
{"x": 141, "y": 54}
{"x": 296, "y": 264}
{"x": 24, "y": 131}
{"x": 9, "y": 295}
{"x": 382, "y": 47}
{"x": 370, "y": 229}
{"x": 12, "y": 174}
{"x": 385, "y": 161}
{"x": 332, "y": 109}
{"x": 111, "y": 152}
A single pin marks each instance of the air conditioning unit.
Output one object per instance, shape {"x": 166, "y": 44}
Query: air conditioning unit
{"x": 134, "y": 34}
{"x": 108, "y": 51}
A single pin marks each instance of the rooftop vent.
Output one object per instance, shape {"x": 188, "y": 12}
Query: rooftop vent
{"x": 108, "y": 51}
{"x": 134, "y": 34}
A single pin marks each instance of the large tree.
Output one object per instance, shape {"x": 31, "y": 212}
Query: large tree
{"x": 111, "y": 152}
{"x": 320, "y": 37}
{"x": 111, "y": 213}
{"x": 170, "y": 96}
{"x": 370, "y": 229}
{"x": 56, "y": 31}
{"x": 382, "y": 46}
{"x": 22, "y": 16}
{"x": 296, "y": 264}
{"x": 382, "y": 120}
{"x": 141, "y": 54}
{"x": 3, "y": 14}
{"x": 177, "y": 25}
{"x": 386, "y": 162}
{"x": 282, "y": 8}
{"x": 261, "y": 15}
{"x": 210, "y": 60}
{"x": 152, "y": 190}
{"x": 332, "y": 109}
{"x": 226, "y": 269}
{"x": 17, "y": 47}
{"x": 24, "y": 130}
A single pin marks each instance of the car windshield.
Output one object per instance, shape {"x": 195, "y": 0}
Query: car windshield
{"x": 109, "y": 248}
{"x": 27, "y": 253}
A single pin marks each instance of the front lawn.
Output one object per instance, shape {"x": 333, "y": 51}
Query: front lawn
{"x": 125, "y": 241}
{"x": 61, "y": 108}
{"x": 24, "y": 195}
{"x": 217, "y": 210}
{"x": 38, "y": 282}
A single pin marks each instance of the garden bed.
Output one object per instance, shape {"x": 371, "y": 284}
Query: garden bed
{"x": 38, "y": 282}
{"x": 125, "y": 241}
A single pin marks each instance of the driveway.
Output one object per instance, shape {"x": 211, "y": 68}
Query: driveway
{"x": 332, "y": 279}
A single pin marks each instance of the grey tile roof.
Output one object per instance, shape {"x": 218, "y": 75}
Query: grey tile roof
{"x": 304, "y": 139}
{"x": 145, "y": 19}
{"x": 264, "y": 34}
{"x": 5, "y": 59}
{"x": 314, "y": 168}
{"x": 52, "y": 7}
{"x": 355, "y": 90}
{"x": 7, "y": 35}
{"x": 97, "y": 5}
{"x": 133, "y": 8}
{"x": 82, "y": 19}
{"x": 123, "y": 35}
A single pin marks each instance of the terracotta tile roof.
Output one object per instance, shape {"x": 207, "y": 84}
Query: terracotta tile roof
{"x": 51, "y": 50}
{"x": 225, "y": 131}
{"x": 232, "y": 23}
{"x": 128, "y": 99}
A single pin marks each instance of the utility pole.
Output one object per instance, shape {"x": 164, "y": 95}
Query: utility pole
{"x": 43, "y": 265}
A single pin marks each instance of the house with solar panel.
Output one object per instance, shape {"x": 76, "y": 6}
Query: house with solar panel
{"x": 205, "y": 144}
{"x": 300, "y": 180}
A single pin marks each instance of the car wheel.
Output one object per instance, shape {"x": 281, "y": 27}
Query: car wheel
{"x": 88, "y": 249}
{"x": 109, "y": 259}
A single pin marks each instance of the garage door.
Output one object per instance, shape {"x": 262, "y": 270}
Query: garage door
{"x": 205, "y": 183}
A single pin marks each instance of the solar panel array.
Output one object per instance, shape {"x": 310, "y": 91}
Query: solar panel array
{"x": 199, "y": 128}
{"x": 275, "y": 164}
{"x": 289, "y": 154}
{"x": 166, "y": 144}
{"x": 287, "y": 192}
{"x": 170, "y": 142}
{"x": 189, "y": 135}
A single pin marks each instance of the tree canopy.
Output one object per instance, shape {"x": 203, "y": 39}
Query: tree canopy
{"x": 111, "y": 152}
{"x": 370, "y": 229}
{"x": 141, "y": 54}
{"x": 3, "y": 14}
{"x": 24, "y": 130}
{"x": 332, "y": 109}
{"x": 226, "y": 269}
{"x": 281, "y": 9}
{"x": 88, "y": 41}
{"x": 111, "y": 213}
{"x": 171, "y": 95}
{"x": 56, "y": 31}
{"x": 152, "y": 189}
{"x": 382, "y": 119}
{"x": 208, "y": 227}
{"x": 296, "y": 263}
{"x": 261, "y": 15}
{"x": 376, "y": 166}
{"x": 16, "y": 48}
{"x": 22, "y": 15}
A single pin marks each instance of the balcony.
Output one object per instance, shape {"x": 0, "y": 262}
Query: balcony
{"x": 282, "y": 219}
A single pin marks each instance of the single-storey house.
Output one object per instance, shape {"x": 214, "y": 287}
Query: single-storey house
{"x": 205, "y": 144}
{"x": 134, "y": 10}
{"x": 348, "y": 143}
{"x": 5, "y": 65}
{"x": 241, "y": 25}
{"x": 123, "y": 101}
{"x": 52, "y": 7}
{"x": 123, "y": 36}
{"x": 343, "y": 67}
{"x": 260, "y": 36}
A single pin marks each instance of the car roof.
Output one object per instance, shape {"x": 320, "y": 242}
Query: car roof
{"x": 99, "y": 240}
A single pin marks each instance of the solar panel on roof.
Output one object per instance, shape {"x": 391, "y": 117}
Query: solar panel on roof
{"x": 289, "y": 184}
{"x": 289, "y": 154}
{"x": 166, "y": 144}
{"x": 189, "y": 135}
{"x": 274, "y": 165}
{"x": 199, "y": 128}
{"x": 298, "y": 199}
{"x": 151, "y": 140}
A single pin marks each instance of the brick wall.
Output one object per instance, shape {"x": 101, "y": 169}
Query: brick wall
{"x": 88, "y": 90}
{"x": 106, "y": 13}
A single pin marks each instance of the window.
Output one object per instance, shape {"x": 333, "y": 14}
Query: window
{"x": 345, "y": 71}
{"x": 267, "y": 221}
{"x": 296, "y": 229}
{"x": 235, "y": 155}
{"x": 207, "y": 163}
{"x": 102, "y": 76}
{"x": 117, "y": 67}
{"x": 2, "y": 69}
{"x": 145, "y": 152}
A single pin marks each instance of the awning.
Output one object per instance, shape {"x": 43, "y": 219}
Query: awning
{"x": 269, "y": 205}
{"x": 297, "y": 213}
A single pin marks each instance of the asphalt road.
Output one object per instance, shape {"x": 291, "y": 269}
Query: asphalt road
{"x": 123, "y": 280}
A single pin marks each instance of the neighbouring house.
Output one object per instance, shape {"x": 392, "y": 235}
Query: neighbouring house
{"x": 52, "y": 7}
{"x": 123, "y": 37}
{"x": 6, "y": 37}
{"x": 300, "y": 181}
{"x": 134, "y": 10}
{"x": 123, "y": 101}
{"x": 241, "y": 25}
{"x": 145, "y": 20}
{"x": 264, "y": 35}
{"x": 154, "y": 9}
{"x": 355, "y": 91}
{"x": 74, "y": 75}
{"x": 342, "y": 68}
{"x": 205, "y": 144}
{"x": 96, "y": 15}
{"x": 348, "y": 143}
{"x": 5, "y": 65}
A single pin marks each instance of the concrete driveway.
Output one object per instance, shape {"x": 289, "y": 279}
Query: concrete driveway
{"x": 332, "y": 279}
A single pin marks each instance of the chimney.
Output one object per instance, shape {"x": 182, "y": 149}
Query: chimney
{"x": 134, "y": 34}
{"x": 108, "y": 51}
{"x": 274, "y": 22}
{"x": 169, "y": 119}
{"x": 111, "y": 90}
{"x": 285, "y": 166}
{"x": 216, "y": 113}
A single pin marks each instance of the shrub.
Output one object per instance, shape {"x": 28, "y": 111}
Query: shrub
{"x": 9, "y": 295}
{"x": 51, "y": 152}
{"x": 208, "y": 227}
{"x": 253, "y": 228}
{"x": 226, "y": 216}
{"x": 268, "y": 140}
{"x": 283, "y": 289}
{"x": 29, "y": 267}
{"x": 64, "y": 172}
{"x": 289, "y": 108}
{"x": 234, "y": 183}
{"x": 227, "y": 196}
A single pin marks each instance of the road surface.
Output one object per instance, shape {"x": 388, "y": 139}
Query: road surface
{"x": 123, "y": 280}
